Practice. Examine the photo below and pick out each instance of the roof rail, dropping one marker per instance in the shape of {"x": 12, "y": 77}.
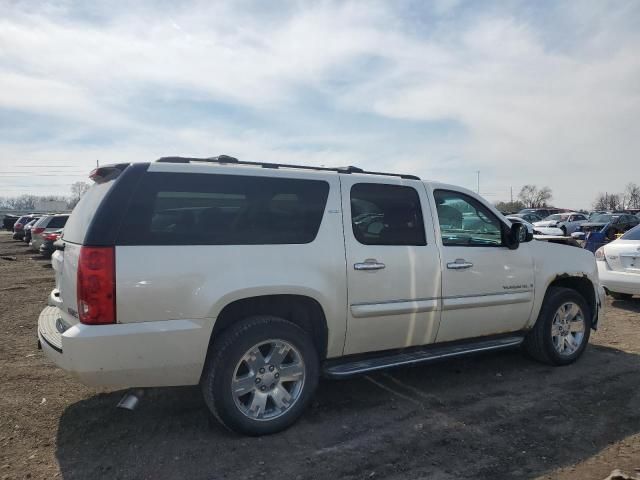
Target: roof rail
{"x": 226, "y": 159}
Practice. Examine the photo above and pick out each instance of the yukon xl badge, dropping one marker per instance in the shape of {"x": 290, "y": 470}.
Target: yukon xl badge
{"x": 513, "y": 287}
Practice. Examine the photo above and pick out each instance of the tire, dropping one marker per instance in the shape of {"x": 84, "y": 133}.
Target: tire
{"x": 564, "y": 231}
{"x": 621, "y": 296}
{"x": 228, "y": 359}
{"x": 539, "y": 342}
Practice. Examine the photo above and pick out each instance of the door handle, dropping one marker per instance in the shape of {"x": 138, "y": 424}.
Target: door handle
{"x": 369, "y": 265}
{"x": 459, "y": 264}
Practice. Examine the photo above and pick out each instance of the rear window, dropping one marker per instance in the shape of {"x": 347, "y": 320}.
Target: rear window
{"x": 190, "y": 209}
{"x": 633, "y": 234}
{"x": 42, "y": 222}
{"x": 78, "y": 223}
{"x": 57, "y": 221}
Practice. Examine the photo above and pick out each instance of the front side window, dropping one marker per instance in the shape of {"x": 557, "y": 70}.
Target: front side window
{"x": 190, "y": 209}
{"x": 386, "y": 215}
{"x": 466, "y": 222}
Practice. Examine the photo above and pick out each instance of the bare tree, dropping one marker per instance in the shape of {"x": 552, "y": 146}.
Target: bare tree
{"x": 608, "y": 201}
{"x": 78, "y": 189}
{"x": 514, "y": 206}
{"x": 534, "y": 197}
{"x": 632, "y": 194}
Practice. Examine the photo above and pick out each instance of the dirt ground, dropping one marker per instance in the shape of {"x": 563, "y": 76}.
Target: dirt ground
{"x": 494, "y": 416}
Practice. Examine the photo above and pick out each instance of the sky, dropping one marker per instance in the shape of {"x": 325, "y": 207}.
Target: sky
{"x": 544, "y": 93}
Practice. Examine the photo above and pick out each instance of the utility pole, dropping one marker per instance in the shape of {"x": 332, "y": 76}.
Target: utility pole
{"x": 478, "y": 171}
{"x": 97, "y": 164}
{"x": 511, "y": 194}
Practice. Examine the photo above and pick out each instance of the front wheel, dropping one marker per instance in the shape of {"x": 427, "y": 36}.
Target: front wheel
{"x": 562, "y": 330}
{"x": 260, "y": 375}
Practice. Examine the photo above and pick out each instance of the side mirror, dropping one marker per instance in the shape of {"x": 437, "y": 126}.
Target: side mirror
{"x": 517, "y": 234}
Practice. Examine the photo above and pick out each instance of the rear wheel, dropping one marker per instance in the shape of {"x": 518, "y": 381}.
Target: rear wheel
{"x": 562, "y": 330}
{"x": 621, "y": 296}
{"x": 564, "y": 230}
{"x": 260, "y": 375}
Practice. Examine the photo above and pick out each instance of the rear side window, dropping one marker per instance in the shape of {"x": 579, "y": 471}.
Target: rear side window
{"x": 57, "y": 221}
{"x": 386, "y": 215}
{"x": 191, "y": 209}
{"x": 78, "y": 224}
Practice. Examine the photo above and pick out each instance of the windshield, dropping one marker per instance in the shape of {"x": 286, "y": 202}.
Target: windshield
{"x": 603, "y": 218}
{"x": 633, "y": 234}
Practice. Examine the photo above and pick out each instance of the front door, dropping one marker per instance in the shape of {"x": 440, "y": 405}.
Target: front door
{"x": 393, "y": 264}
{"x": 486, "y": 288}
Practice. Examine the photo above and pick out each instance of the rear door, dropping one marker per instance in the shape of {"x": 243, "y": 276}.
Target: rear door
{"x": 393, "y": 264}
{"x": 486, "y": 288}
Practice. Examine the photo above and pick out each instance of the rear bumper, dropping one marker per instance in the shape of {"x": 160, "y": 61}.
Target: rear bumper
{"x": 147, "y": 354}
{"x": 620, "y": 282}
{"x": 35, "y": 243}
{"x": 47, "y": 249}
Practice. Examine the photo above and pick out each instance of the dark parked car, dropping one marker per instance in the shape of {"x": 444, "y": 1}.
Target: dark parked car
{"x": 27, "y": 229}
{"x": 541, "y": 212}
{"x": 614, "y": 222}
{"x": 9, "y": 221}
{"x": 528, "y": 217}
{"x": 49, "y": 240}
{"x": 18, "y": 227}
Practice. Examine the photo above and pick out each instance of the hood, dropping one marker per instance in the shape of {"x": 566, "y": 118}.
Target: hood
{"x": 546, "y": 223}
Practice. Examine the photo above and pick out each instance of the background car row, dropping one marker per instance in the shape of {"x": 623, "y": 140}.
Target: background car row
{"x": 40, "y": 231}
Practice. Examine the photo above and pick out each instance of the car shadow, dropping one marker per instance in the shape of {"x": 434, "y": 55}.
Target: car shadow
{"x": 496, "y": 415}
{"x": 631, "y": 305}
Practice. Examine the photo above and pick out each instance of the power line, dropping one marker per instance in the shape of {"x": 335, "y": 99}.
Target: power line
{"x": 2, "y": 175}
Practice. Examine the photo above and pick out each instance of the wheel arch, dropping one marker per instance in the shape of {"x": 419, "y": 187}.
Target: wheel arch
{"x": 303, "y": 310}
{"x": 583, "y": 285}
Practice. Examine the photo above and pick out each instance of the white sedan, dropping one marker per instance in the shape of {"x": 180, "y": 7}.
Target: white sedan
{"x": 567, "y": 222}
{"x": 553, "y": 231}
{"x": 619, "y": 265}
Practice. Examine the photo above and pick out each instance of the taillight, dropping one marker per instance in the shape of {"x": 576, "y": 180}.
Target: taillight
{"x": 51, "y": 236}
{"x": 37, "y": 230}
{"x": 17, "y": 226}
{"x": 97, "y": 285}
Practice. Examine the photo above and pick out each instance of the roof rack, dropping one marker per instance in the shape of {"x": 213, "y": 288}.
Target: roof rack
{"x": 226, "y": 159}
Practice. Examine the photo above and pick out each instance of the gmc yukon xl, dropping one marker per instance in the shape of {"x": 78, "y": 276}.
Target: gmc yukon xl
{"x": 253, "y": 279}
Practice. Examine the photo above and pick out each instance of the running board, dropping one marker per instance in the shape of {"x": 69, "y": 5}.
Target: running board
{"x": 352, "y": 366}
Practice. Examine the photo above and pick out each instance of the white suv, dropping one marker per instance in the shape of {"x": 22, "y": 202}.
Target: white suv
{"x": 254, "y": 279}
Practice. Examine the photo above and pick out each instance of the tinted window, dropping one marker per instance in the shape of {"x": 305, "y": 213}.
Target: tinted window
{"x": 58, "y": 221}
{"x": 42, "y": 222}
{"x": 601, "y": 218}
{"x": 466, "y": 222}
{"x": 81, "y": 216}
{"x": 386, "y": 215}
{"x": 633, "y": 234}
{"x": 190, "y": 209}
